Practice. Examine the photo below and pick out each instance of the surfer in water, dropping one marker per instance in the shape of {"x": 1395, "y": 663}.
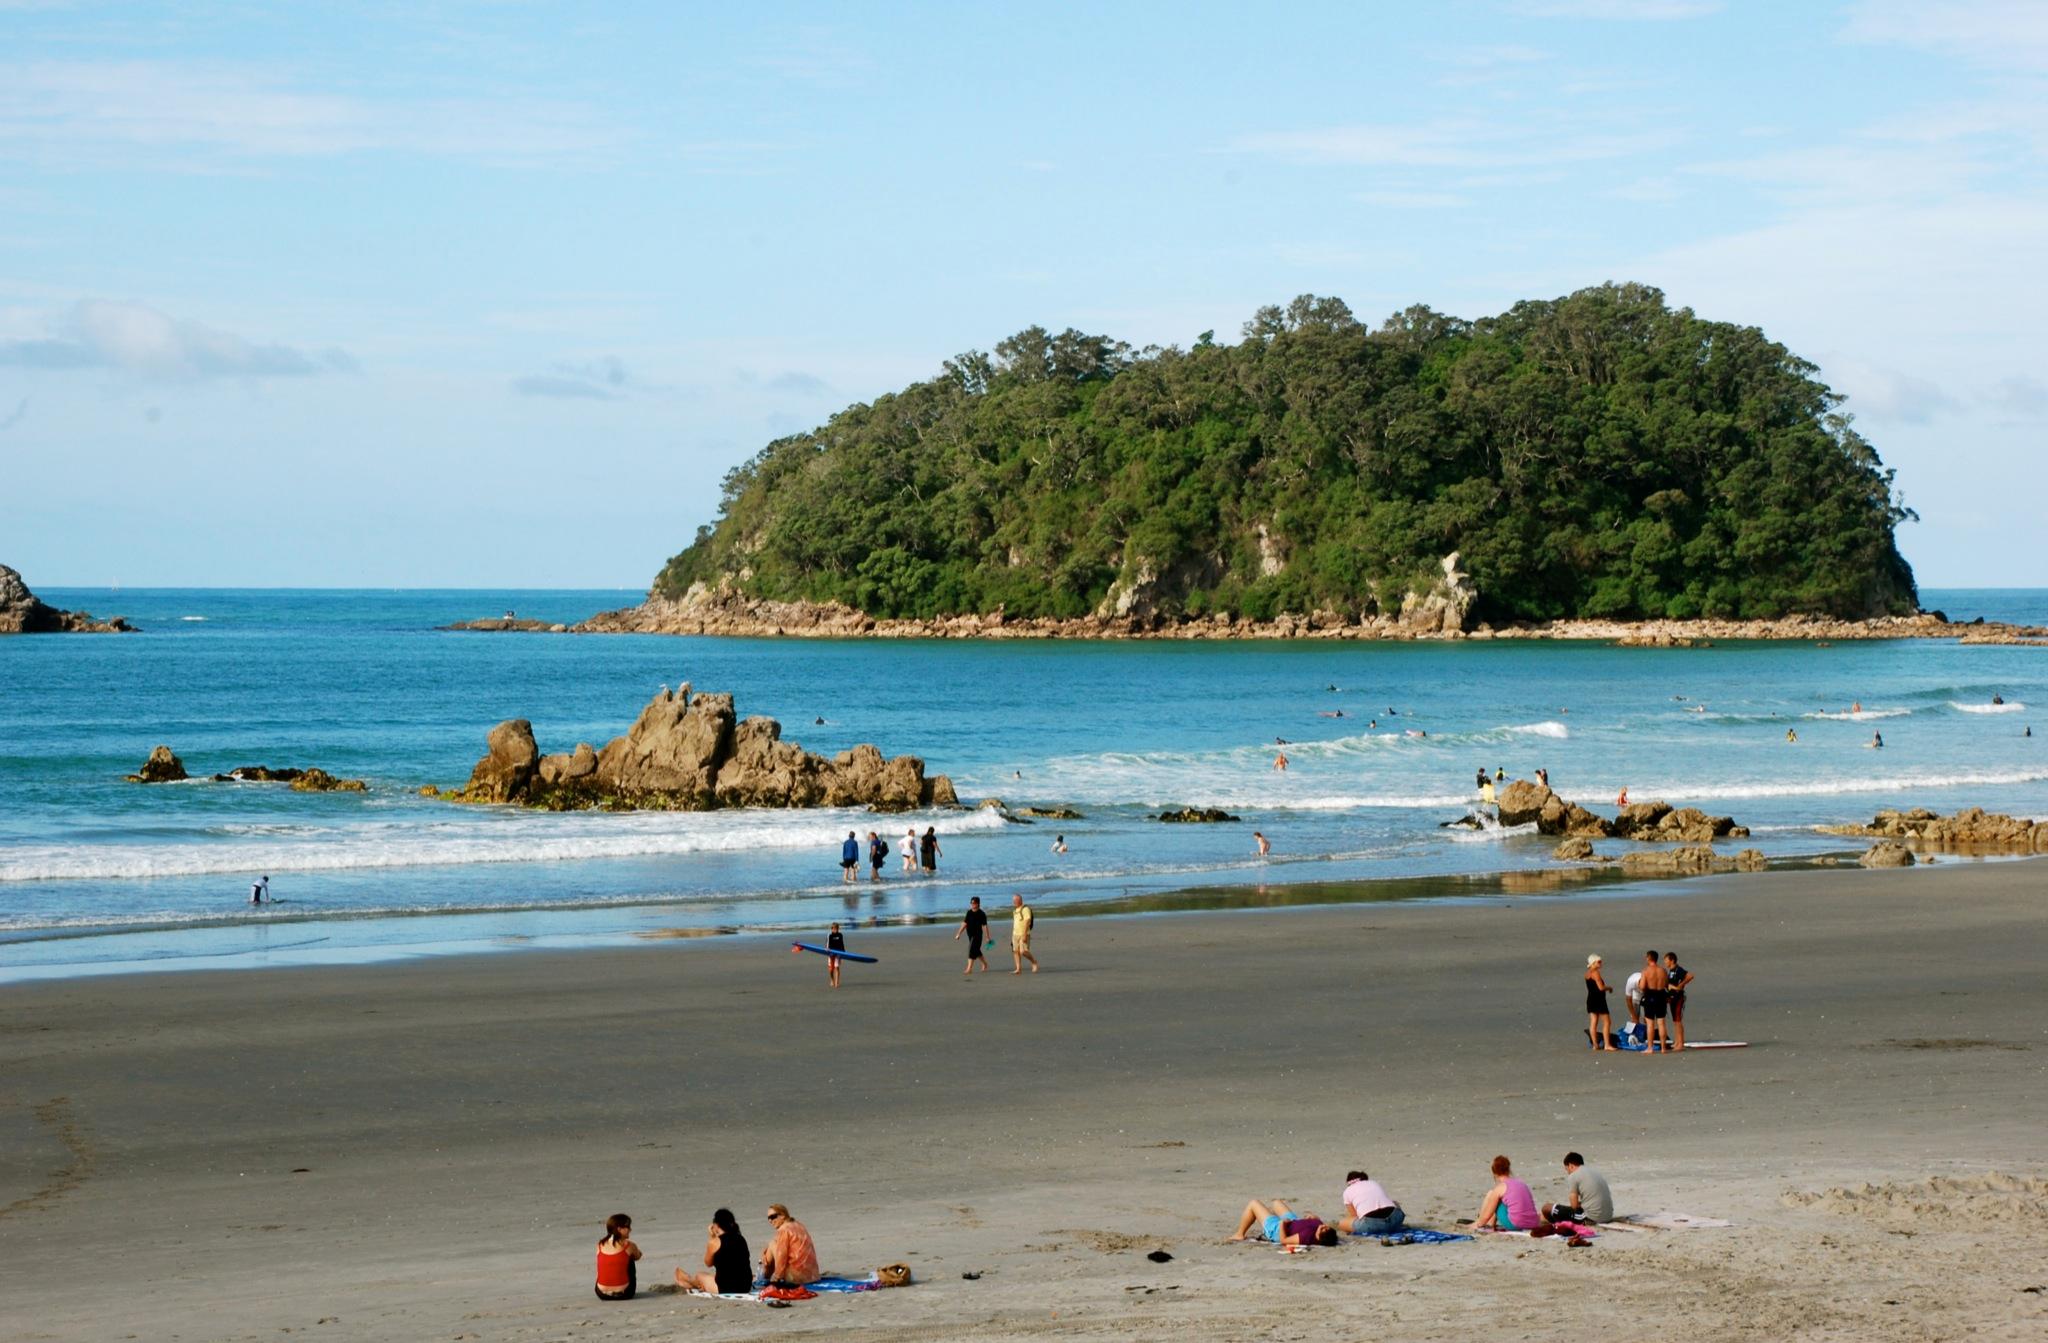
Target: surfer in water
{"x": 1877, "y": 741}
{"x": 1998, "y": 699}
{"x": 1792, "y": 734}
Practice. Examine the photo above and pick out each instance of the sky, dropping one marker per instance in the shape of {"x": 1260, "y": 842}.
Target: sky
{"x": 493, "y": 294}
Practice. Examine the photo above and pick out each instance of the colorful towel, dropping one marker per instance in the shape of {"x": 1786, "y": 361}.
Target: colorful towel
{"x": 1419, "y": 1236}
{"x": 871, "y": 1283}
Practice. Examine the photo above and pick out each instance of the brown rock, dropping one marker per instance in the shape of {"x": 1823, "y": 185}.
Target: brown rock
{"x": 1688, "y": 858}
{"x": 1887, "y": 853}
{"x": 161, "y": 767}
{"x": 1573, "y": 850}
{"x": 22, "y": 612}
{"x": 320, "y": 781}
{"x": 508, "y": 766}
{"x": 1522, "y": 802}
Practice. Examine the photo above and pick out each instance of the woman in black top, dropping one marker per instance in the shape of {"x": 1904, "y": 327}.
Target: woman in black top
{"x": 1598, "y": 1022}
{"x": 930, "y": 846}
{"x": 731, "y": 1267}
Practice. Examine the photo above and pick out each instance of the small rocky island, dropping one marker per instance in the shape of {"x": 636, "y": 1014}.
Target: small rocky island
{"x": 22, "y": 612}
{"x": 163, "y": 766}
{"x": 687, "y": 753}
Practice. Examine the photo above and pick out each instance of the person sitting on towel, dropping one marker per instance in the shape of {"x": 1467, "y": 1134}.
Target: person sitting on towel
{"x": 1509, "y": 1206}
{"x": 1592, "y": 1201}
{"x": 729, "y": 1268}
{"x": 1369, "y": 1210}
{"x": 790, "y": 1260}
{"x": 1283, "y": 1226}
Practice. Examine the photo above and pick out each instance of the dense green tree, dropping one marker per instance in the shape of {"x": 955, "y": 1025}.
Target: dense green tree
{"x": 1598, "y": 454}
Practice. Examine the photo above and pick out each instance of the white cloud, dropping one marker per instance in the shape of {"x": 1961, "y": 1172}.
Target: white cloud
{"x": 137, "y": 339}
{"x": 1462, "y": 143}
{"x": 2007, "y": 34}
{"x": 602, "y": 379}
{"x": 143, "y": 111}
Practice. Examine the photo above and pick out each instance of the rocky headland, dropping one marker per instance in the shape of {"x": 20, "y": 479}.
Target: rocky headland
{"x": 22, "y": 612}
{"x": 687, "y": 752}
{"x": 1524, "y": 803}
{"x": 508, "y": 623}
{"x": 163, "y": 766}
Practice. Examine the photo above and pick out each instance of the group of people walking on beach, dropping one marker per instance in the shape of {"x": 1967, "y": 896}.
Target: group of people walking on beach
{"x": 1369, "y": 1210}
{"x": 921, "y": 853}
{"x": 1655, "y": 997}
{"x": 789, "y": 1262}
{"x": 974, "y": 927}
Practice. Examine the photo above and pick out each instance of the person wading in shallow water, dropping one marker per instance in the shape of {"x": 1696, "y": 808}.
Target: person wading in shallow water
{"x": 929, "y": 851}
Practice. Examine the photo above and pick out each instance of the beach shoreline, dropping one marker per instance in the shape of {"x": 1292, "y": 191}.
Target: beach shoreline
{"x": 428, "y": 1147}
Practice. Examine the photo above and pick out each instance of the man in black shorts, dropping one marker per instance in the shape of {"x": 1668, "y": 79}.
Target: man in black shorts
{"x": 1656, "y": 993}
{"x": 975, "y": 926}
{"x": 1676, "y": 978}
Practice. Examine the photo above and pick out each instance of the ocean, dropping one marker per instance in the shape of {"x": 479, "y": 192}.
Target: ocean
{"x": 98, "y": 875}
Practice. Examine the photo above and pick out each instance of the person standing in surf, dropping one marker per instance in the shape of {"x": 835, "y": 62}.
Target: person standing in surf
{"x": 907, "y": 846}
{"x": 975, "y": 928}
{"x": 259, "y": 890}
{"x": 849, "y": 859}
{"x": 929, "y": 853}
{"x": 878, "y": 854}
{"x": 1265, "y": 845}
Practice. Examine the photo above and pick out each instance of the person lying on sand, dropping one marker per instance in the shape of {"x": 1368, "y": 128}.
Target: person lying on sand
{"x": 1508, "y": 1206}
{"x": 1282, "y": 1226}
{"x": 729, "y": 1268}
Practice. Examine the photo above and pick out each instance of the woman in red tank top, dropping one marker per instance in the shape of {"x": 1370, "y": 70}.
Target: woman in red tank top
{"x": 617, "y": 1279}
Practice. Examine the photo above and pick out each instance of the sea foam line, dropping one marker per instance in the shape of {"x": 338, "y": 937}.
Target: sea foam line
{"x": 506, "y": 841}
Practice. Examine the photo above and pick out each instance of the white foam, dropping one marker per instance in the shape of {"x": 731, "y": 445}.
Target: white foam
{"x": 191, "y": 617}
{"x": 498, "y": 837}
{"x": 1859, "y": 715}
{"x": 2010, "y": 706}
{"x": 1680, "y": 794}
{"x": 1551, "y": 728}
{"x": 1489, "y": 831}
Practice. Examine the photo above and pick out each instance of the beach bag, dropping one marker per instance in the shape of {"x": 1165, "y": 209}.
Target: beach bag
{"x": 893, "y": 1275}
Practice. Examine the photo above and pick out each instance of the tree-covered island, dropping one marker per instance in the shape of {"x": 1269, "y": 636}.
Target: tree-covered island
{"x": 1598, "y": 455}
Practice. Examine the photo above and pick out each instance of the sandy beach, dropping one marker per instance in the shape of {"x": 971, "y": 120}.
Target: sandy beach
{"x": 428, "y": 1149}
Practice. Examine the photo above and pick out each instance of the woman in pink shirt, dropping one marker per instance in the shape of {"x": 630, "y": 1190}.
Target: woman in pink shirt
{"x": 1509, "y": 1205}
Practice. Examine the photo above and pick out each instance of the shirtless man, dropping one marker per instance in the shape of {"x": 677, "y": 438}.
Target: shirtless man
{"x": 1656, "y": 989}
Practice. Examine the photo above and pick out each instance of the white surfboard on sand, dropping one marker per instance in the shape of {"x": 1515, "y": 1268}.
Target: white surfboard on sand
{"x": 1717, "y": 1044}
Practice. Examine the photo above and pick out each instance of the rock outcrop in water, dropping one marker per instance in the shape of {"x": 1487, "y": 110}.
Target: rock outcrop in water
{"x": 164, "y": 767}
{"x": 1524, "y": 803}
{"x": 1195, "y": 816}
{"x": 161, "y": 767}
{"x": 687, "y": 753}
{"x": 22, "y": 612}
{"x": 1973, "y": 829}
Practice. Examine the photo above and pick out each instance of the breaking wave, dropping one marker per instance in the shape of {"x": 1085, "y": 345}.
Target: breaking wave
{"x": 2010, "y": 706}
{"x": 496, "y": 839}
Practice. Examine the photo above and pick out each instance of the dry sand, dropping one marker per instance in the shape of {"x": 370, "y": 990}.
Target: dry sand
{"x": 427, "y": 1150}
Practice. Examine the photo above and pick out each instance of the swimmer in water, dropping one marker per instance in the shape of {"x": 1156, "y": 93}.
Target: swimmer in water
{"x": 1330, "y": 713}
{"x": 1856, "y": 707}
{"x": 1791, "y": 734}
{"x": 1280, "y": 762}
{"x": 1998, "y": 699}
{"x": 1374, "y": 723}
{"x": 1877, "y": 741}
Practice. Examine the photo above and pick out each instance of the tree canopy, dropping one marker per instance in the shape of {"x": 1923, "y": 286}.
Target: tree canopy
{"x": 1600, "y": 454}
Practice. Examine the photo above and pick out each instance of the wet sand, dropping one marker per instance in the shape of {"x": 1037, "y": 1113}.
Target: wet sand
{"x": 427, "y": 1150}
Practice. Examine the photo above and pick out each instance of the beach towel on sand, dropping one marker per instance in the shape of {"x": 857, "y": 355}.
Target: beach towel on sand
{"x": 1418, "y": 1236}
{"x": 871, "y": 1283}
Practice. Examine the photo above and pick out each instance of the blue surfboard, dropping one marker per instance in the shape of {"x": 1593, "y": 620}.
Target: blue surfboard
{"x": 827, "y": 951}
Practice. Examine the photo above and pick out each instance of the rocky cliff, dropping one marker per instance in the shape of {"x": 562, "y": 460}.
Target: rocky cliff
{"x": 687, "y": 752}
{"x": 22, "y": 612}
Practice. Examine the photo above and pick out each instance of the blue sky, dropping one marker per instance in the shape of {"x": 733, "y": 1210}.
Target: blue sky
{"x": 493, "y": 294}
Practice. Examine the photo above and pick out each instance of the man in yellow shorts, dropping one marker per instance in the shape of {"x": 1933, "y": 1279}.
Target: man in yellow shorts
{"x": 1021, "y": 919}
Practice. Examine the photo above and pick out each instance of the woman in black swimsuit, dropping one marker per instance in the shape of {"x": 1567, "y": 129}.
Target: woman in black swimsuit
{"x": 1598, "y": 1023}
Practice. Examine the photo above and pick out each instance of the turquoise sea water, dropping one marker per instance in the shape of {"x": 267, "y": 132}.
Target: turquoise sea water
{"x": 97, "y": 874}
